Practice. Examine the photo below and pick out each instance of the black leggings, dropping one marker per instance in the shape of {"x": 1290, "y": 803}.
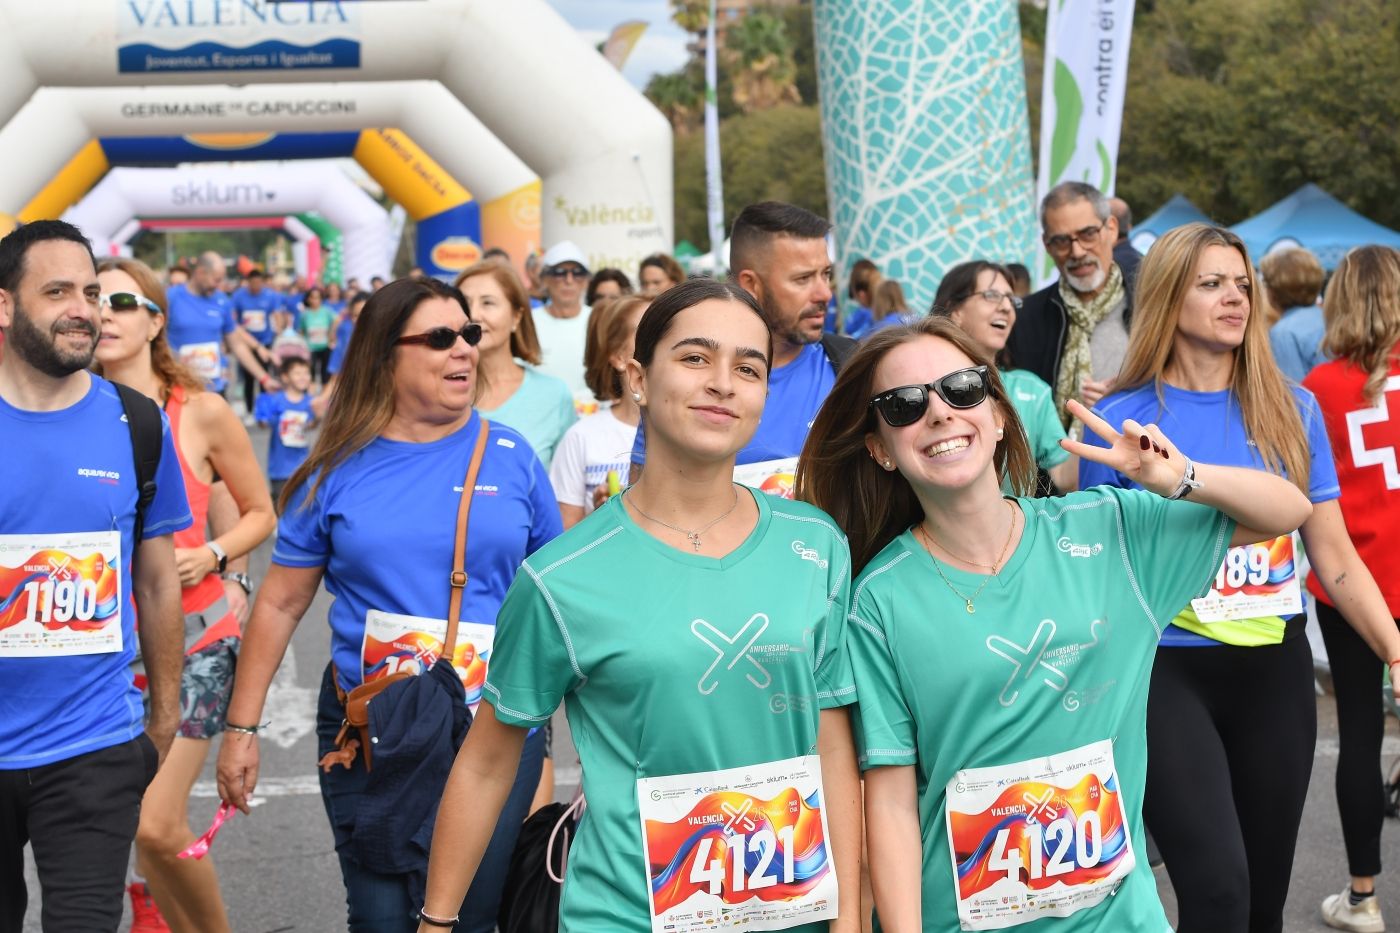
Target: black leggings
{"x": 1356, "y": 681}
{"x": 321, "y": 365}
{"x": 1230, "y": 735}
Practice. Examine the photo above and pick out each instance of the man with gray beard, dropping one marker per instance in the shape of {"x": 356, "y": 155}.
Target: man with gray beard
{"x": 1074, "y": 332}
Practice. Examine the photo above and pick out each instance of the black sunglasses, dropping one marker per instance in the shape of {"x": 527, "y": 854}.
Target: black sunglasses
{"x": 126, "y": 301}
{"x": 962, "y": 388}
{"x": 442, "y": 338}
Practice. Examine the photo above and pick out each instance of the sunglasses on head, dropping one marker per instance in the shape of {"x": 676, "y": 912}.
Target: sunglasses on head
{"x": 442, "y": 338}
{"x": 962, "y": 388}
{"x": 126, "y": 301}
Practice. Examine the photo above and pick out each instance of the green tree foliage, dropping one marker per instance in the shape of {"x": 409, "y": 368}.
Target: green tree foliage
{"x": 760, "y": 53}
{"x": 1237, "y": 103}
{"x": 772, "y": 154}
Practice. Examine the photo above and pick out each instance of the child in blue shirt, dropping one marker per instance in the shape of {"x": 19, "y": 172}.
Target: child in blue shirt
{"x": 291, "y": 417}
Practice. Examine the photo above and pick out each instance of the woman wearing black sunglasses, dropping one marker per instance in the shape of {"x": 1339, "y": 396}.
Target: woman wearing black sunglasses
{"x": 210, "y": 442}
{"x": 372, "y": 513}
{"x": 1002, "y": 645}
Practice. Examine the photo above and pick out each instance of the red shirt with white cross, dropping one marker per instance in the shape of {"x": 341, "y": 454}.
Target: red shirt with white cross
{"x": 1365, "y": 437}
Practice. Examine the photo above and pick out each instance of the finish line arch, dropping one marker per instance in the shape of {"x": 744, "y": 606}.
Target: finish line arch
{"x": 240, "y": 190}
{"x": 602, "y": 152}
{"x": 131, "y": 128}
{"x": 308, "y": 247}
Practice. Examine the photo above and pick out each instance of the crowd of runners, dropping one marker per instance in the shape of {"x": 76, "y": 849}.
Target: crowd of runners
{"x": 943, "y": 619}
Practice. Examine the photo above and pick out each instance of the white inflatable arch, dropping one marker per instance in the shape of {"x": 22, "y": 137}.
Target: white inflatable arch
{"x": 601, "y": 151}
{"x": 244, "y": 189}
{"x": 306, "y": 246}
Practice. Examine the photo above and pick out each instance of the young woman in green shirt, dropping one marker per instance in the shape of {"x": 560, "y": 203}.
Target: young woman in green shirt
{"x": 1002, "y": 645}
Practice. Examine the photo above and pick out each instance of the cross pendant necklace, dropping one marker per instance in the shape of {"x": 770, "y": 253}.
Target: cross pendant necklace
{"x": 692, "y": 536}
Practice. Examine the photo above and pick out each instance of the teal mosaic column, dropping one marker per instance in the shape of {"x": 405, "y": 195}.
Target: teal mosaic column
{"x": 926, "y": 134}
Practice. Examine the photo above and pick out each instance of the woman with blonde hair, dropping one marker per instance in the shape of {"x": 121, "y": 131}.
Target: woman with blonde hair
{"x": 210, "y": 442}
{"x": 1358, "y": 391}
{"x": 890, "y": 306}
{"x": 510, "y": 389}
{"x": 1232, "y": 718}
{"x": 1001, "y": 644}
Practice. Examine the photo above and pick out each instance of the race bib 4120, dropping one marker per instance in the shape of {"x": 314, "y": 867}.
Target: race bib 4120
{"x": 745, "y": 848}
{"x": 1041, "y": 838}
{"x": 396, "y": 643}
{"x": 60, "y": 594}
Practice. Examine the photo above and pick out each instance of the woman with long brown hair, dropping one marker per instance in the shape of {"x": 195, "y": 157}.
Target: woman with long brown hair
{"x": 210, "y": 442}
{"x": 371, "y": 513}
{"x": 1001, "y": 644}
{"x": 509, "y": 388}
{"x": 1232, "y": 717}
{"x": 1357, "y": 392}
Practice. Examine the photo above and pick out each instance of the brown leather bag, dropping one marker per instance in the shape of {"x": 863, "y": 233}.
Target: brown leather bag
{"x": 357, "y": 701}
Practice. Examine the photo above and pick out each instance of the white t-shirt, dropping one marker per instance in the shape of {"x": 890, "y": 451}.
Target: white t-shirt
{"x": 593, "y": 447}
{"x": 562, "y": 342}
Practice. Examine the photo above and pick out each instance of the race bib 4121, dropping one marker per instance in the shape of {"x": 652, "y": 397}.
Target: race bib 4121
{"x": 60, "y": 594}
{"x": 745, "y": 848}
{"x": 1041, "y": 838}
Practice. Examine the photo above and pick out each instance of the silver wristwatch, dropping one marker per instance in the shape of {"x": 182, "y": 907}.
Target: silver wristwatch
{"x": 242, "y": 579}
{"x": 1188, "y": 481}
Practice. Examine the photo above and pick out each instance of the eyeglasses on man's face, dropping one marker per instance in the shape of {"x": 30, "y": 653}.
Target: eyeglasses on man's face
{"x": 1060, "y": 243}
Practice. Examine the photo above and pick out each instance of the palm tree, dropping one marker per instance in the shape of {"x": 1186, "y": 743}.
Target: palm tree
{"x": 765, "y": 73}
{"x": 677, "y": 96}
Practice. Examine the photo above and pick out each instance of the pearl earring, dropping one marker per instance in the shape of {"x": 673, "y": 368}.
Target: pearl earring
{"x": 1000, "y": 432}
{"x": 636, "y": 396}
{"x": 887, "y": 464}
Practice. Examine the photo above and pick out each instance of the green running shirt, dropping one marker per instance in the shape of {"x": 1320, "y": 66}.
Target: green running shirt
{"x": 1056, "y": 658}
{"x": 671, "y": 663}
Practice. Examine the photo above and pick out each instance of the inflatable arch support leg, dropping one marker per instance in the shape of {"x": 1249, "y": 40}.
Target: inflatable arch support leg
{"x": 926, "y": 135}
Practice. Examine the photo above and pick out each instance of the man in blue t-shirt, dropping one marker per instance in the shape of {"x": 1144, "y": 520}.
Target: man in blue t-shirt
{"x": 201, "y": 327}
{"x": 253, "y": 305}
{"x": 778, "y": 254}
{"x": 74, "y": 758}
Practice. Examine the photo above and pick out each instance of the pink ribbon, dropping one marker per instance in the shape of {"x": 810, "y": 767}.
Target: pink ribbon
{"x": 200, "y": 847}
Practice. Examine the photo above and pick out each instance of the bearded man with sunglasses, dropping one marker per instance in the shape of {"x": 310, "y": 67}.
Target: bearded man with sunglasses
{"x": 75, "y": 759}
{"x": 1073, "y": 333}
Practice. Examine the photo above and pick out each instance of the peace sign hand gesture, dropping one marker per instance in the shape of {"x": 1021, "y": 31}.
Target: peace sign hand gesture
{"x": 1141, "y": 453}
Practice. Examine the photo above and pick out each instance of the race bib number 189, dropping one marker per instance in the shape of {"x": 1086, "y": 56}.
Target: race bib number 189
{"x": 60, "y": 594}
{"x": 1040, "y": 838}
{"x": 1256, "y": 580}
{"x": 745, "y": 847}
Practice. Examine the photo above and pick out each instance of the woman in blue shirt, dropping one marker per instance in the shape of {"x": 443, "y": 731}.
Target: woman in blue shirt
{"x": 1232, "y": 717}
{"x": 371, "y": 513}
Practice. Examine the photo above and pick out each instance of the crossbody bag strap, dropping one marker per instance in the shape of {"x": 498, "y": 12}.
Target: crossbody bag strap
{"x": 459, "y": 545}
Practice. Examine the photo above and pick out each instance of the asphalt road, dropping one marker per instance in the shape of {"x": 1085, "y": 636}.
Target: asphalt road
{"x": 279, "y": 873}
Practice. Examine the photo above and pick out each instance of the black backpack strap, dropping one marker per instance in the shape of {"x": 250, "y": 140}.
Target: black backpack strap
{"x": 838, "y": 349}
{"x": 147, "y": 434}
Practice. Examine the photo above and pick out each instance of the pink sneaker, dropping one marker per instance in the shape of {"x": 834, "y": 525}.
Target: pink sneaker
{"x": 145, "y": 915}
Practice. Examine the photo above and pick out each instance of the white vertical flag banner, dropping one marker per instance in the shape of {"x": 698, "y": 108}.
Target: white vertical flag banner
{"x": 714, "y": 183}
{"x": 1086, "y": 77}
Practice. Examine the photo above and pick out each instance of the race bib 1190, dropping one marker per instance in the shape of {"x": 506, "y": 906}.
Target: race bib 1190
{"x": 1040, "y": 838}
{"x": 395, "y": 643}
{"x": 60, "y": 594}
{"x": 1256, "y": 580}
{"x": 775, "y": 477}
{"x": 745, "y": 847}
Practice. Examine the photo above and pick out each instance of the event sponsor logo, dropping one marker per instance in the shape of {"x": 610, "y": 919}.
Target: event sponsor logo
{"x": 1040, "y": 658}
{"x": 164, "y": 110}
{"x": 456, "y": 253}
{"x": 233, "y": 35}
{"x": 807, "y": 553}
{"x": 193, "y": 192}
{"x": 1079, "y": 550}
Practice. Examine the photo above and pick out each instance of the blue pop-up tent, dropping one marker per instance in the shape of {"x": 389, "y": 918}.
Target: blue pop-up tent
{"x": 1179, "y": 210}
{"x": 1313, "y": 219}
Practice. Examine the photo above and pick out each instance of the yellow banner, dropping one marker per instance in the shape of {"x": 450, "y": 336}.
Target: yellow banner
{"x": 407, "y": 174}
{"x": 512, "y": 223}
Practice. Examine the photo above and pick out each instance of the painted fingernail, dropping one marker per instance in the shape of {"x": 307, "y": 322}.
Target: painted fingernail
{"x": 1145, "y": 442}
{"x": 1155, "y": 447}
{"x": 1166, "y": 454}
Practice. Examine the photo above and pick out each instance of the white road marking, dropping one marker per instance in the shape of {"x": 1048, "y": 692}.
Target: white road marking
{"x": 290, "y": 709}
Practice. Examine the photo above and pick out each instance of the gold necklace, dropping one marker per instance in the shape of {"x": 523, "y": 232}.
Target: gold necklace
{"x": 996, "y": 567}
{"x": 692, "y": 536}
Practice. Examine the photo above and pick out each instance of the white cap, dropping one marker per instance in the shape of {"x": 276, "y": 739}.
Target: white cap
{"x": 562, "y": 252}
